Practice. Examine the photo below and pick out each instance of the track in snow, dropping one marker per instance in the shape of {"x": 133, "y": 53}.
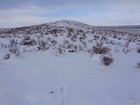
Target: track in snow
{"x": 60, "y": 80}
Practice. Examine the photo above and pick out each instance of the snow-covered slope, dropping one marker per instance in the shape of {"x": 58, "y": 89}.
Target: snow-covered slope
{"x": 70, "y": 24}
{"x": 60, "y": 63}
{"x": 65, "y": 36}
{"x": 74, "y": 79}
{"x": 63, "y": 24}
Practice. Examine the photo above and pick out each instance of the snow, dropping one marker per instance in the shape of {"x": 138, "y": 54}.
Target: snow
{"x": 55, "y": 76}
{"x": 70, "y": 24}
{"x": 73, "y": 79}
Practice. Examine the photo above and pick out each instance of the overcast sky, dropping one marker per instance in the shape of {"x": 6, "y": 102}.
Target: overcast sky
{"x": 15, "y": 13}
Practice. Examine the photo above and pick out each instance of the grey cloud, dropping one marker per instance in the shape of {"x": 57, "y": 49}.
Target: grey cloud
{"x": 96, "y": 12}
{"x": 118, "y": 5}
{"x": 7, "y": 4}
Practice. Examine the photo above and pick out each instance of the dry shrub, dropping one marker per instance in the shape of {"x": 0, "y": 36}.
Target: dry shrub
{"x": 60, "y": 50}
{"x": 13, "y": 50}
{"x": 7, "y": 56}
{"x": 126, "y": 48}
{"x": 138, "y": 65}
{"x": 106, "y": 60}
{"x": 12, "y": 43}
{"x": 138, "y": 50}
{"x": 100, "y": 49}
{"x": 72, "y": 48}
{"x": 13, "y": 47}
{"x": 28, "y": 41}
{"x": 43, "y": 45}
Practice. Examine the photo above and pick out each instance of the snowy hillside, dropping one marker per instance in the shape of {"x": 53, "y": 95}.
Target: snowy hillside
{"x": 69, "y": 63}
{"x": 65, "y": 36}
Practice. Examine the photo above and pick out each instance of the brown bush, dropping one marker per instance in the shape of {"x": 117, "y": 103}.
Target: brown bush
{"x": 138, "y": 50}
{"x": 12, "y": 43}
{"x": 106, "y": 60}
{"x": 42, "y": 45}
{"x": 13, "y": 48}
{"x": 138, "y": 65}
{"x": 60, "y": 50}
{"x": 28, "y": 41}
{"x": 100, "y": 49}
{"x": 7, "y": 56}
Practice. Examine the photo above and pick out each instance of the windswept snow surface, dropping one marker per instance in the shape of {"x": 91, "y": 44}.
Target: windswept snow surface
{"x": 42, "y": 78}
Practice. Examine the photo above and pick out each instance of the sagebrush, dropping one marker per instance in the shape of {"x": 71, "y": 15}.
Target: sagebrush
{"x": 106, "y": 60}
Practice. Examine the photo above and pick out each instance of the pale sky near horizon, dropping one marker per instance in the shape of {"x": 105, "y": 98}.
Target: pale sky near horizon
{"x": 14, "y": 13}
